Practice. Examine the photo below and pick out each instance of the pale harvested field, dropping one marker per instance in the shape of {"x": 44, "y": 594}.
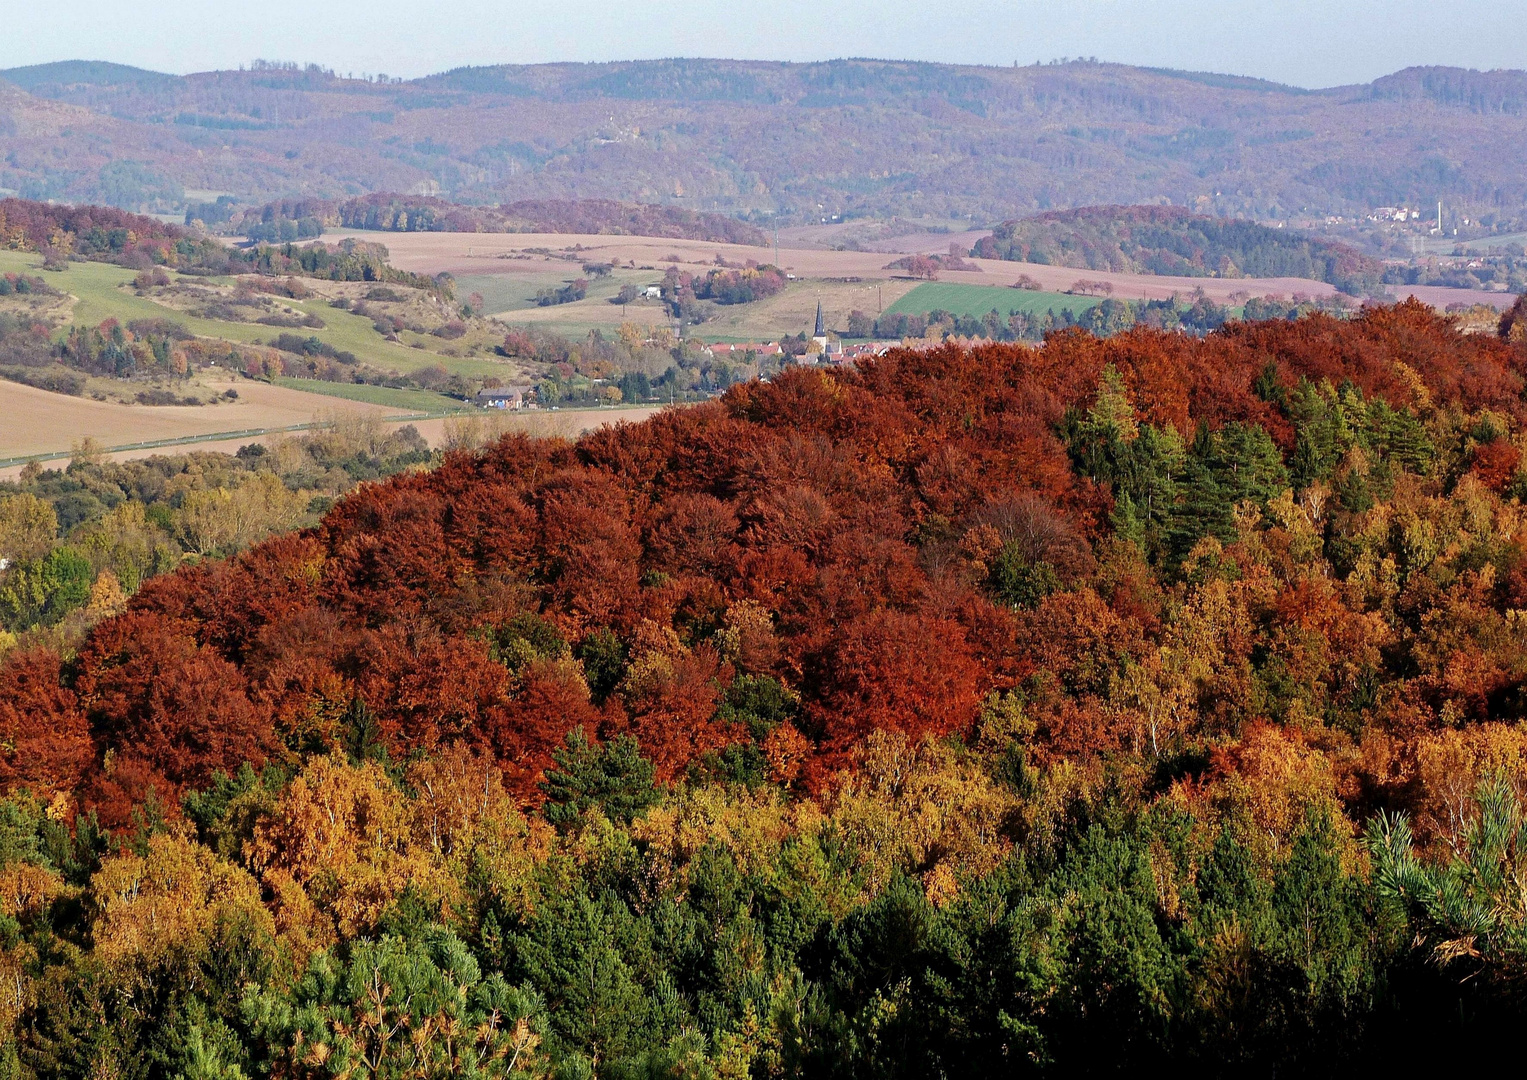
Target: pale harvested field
{"x": 879, "y": 237}
{"x": 39, "y": 422}
{"x": 1437, "y": 296}
{"x": 788, "y": 312}
{"x": 470, "y": 429}
{"x": 476, "y": 428}
{"x": 506, "y": 253}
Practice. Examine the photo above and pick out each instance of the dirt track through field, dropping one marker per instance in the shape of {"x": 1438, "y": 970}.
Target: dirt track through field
{"x": 508, "y": 253}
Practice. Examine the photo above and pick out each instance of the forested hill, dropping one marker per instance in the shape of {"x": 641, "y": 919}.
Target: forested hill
{"x": 1173, "y": 240}
{"x": 1140, "y": 704}
{"x": 805, "y": 140}
{"x": 889, "y": 545}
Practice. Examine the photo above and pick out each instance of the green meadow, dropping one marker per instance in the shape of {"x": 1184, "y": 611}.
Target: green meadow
{"x": 977, "y": 300}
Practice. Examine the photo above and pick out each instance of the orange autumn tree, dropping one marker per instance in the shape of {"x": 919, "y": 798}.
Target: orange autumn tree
{"x": 908, "y": 535}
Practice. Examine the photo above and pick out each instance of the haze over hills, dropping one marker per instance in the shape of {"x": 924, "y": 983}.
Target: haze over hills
{"x": 778, "y": 141}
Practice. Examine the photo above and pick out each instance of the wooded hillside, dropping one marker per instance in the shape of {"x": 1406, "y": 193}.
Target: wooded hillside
{"x": 794, "y": 143}
{"x": 938, "y": 716}
{"x": 843, "y": 520}
{"x": 1173, "y": 240}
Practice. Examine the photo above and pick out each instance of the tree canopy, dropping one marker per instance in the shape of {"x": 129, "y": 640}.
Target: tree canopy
{"x": 1150, "y": 700}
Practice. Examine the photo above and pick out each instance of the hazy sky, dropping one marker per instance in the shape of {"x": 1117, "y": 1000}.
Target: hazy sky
{"x": 1304, "y": 42}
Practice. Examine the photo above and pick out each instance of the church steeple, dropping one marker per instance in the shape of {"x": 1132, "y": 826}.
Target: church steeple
{"x": 821, "y": 331}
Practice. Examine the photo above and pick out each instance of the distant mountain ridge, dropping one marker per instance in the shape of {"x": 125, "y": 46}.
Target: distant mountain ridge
{"x": 1490, "y": 92}
{"x": 776, "y": 141}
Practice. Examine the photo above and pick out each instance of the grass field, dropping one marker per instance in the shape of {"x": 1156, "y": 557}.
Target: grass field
{"x": 391, "y": 397}
{"x": 516, "y": 292}
{"x": 97, "y": 287}
{"x": 505, "y": 292}
{"x": 977, "y": 300}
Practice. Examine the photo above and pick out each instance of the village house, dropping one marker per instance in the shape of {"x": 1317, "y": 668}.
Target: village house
{"x": 521, "y": 396}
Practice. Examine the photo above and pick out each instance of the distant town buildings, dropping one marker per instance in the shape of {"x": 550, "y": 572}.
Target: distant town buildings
{"x": 1394, "y": 213}
{"x": 833, "y": 351}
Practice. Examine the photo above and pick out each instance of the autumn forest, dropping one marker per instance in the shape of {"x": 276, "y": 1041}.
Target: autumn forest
{"x": 1155, "y": 700}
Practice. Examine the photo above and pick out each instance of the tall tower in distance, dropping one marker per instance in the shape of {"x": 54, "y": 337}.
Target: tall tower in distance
{"x": 820, "y": 346}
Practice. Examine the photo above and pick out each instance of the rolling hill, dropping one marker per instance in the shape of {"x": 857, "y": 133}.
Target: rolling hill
{"x": 1173, "y": 240}
{"x": 783, "y": 142}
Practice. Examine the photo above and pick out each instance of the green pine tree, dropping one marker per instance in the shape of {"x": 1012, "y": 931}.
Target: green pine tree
{"x": 614, "y": 777}
{"x": 571, "y": 955}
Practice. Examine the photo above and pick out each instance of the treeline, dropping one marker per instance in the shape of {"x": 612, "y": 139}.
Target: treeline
{"x": 1174, "y": 241}
{"x": 25, "y": 285}
{"x": 1195, "y": 315}
{"x": 156, "y": 350}
{"x": 928, "y": 266}
{"x": 391, "y": 212}
{"x": 1155, "y": 700}
{"x": 124, "y": 351}
{"x": 1507, "y": 271}
{"x": 682, "y": 292}
{"x": 607, "y": 216}
{"x": 739, "y": 285}
{"x": 92, "y": 232}
{"x": 28, "y": 355}
{"x": 567, "y": 293}
{"x": 284, "y": 230}
{"x": 348, "y": 260}
{"x": 106, "y": 235}
{"x": 297, "y": 357}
